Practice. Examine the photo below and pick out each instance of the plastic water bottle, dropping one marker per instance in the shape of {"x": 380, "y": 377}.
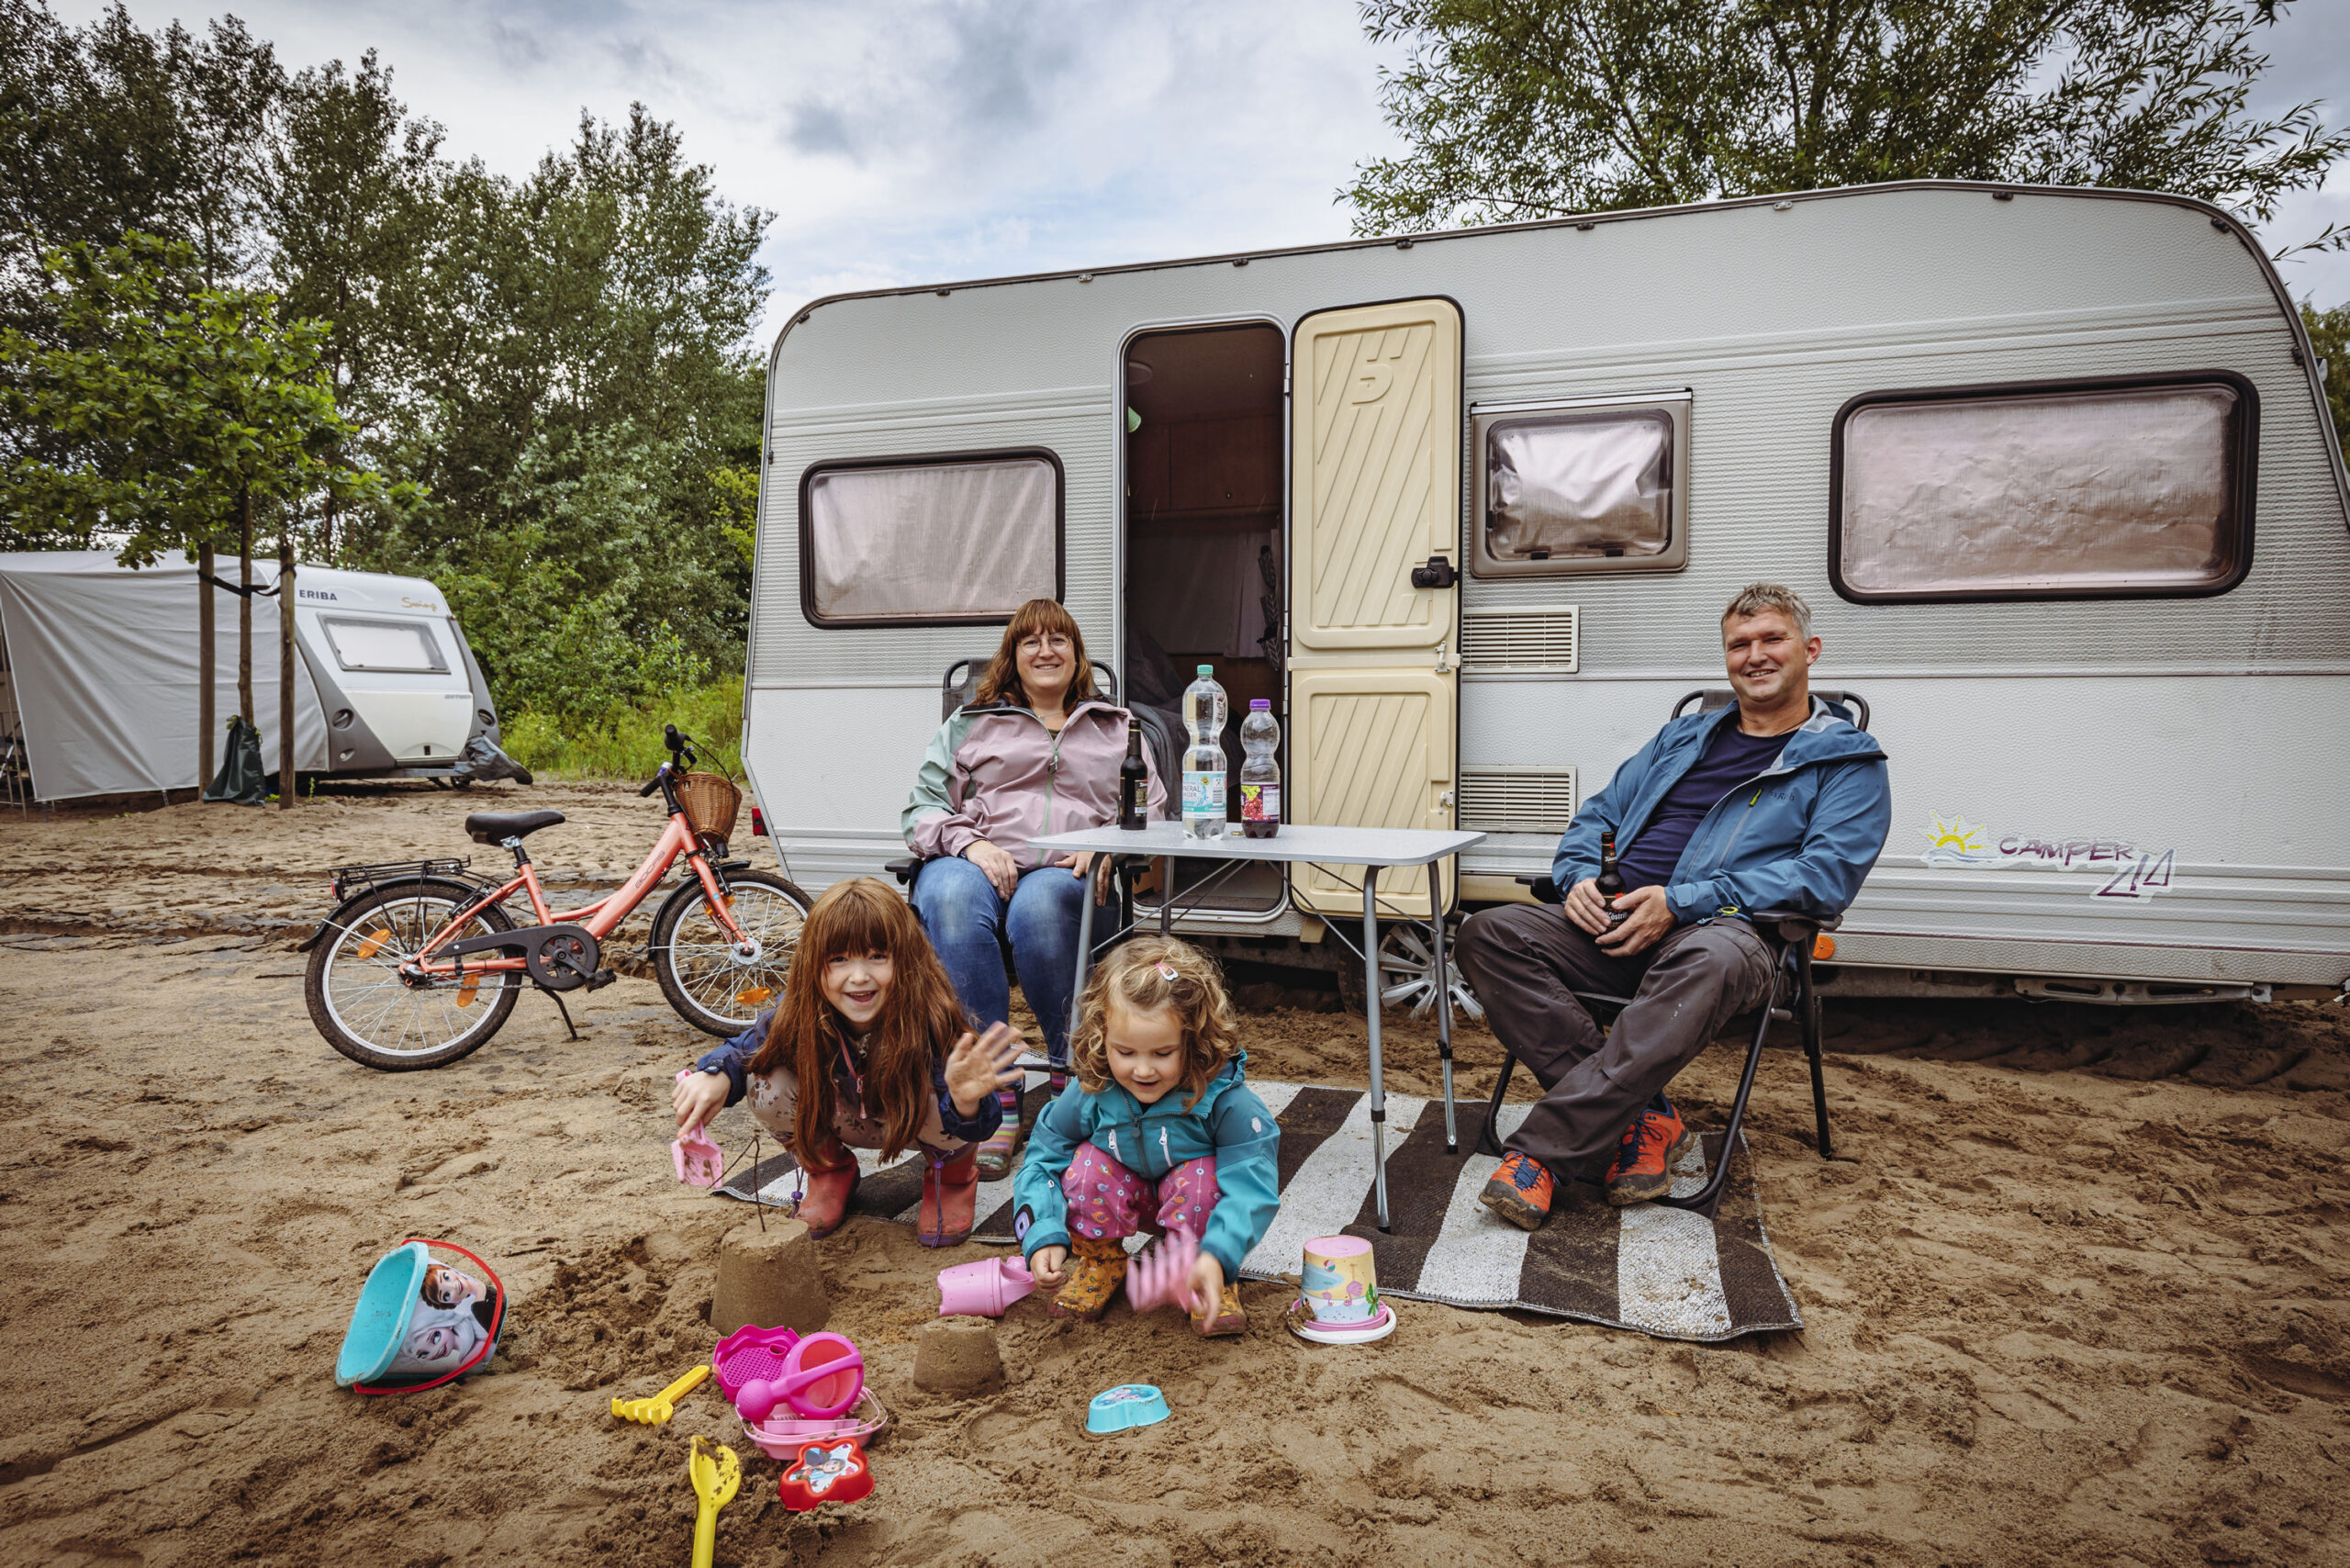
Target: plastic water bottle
{"x": 1203, "y": 714}
{"x": 1261, "y": 774}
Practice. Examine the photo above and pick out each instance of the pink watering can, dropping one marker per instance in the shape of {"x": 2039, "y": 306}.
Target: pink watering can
{"x": 984, "y": 1289}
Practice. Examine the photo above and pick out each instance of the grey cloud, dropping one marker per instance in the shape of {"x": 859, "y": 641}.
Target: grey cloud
{"x": 819, "y": 129}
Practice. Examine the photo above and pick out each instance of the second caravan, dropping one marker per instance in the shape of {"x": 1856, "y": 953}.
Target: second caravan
{"x": 2052, "y": 467}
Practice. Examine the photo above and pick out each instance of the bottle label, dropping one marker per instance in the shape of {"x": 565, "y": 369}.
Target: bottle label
{"x": 1202, "y": 794}
{"x": 1138, "y": 798}
{"x": 1260, "y": 802}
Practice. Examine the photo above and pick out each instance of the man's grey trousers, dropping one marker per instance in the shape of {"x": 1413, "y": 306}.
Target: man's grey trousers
{"x": 1526, "y": 961}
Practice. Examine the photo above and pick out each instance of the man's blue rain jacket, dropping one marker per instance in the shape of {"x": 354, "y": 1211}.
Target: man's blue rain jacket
{"x": 1229, "y": 1122}
{"x": 1801, "y": 835}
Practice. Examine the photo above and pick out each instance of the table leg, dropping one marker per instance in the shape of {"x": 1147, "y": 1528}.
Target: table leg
{"x": 1378, "y": 1084}
{"x": 1443, "y": 1002}
{"x": 1166, "y": 896}
{"x": 1084, "y": 946}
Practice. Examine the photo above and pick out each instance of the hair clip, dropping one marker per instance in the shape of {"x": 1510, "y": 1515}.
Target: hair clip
{"x": 1166, "y": 971}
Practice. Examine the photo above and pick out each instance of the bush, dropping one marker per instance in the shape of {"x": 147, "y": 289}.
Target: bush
{"x": 625, "y": 741}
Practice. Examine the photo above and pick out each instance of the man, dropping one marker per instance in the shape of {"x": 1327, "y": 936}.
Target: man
{"x": 1777, "y": 802}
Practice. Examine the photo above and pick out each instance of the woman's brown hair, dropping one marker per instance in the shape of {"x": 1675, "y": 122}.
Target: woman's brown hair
{"x": 920, "y": 1019}
{"x": 1146, "y": 975}
{"x": 1001, "y": 683}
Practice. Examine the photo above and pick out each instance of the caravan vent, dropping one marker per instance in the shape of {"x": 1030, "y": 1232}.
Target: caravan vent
{"x": 1521, "y": 639}
{"x": 1516, "y": 799}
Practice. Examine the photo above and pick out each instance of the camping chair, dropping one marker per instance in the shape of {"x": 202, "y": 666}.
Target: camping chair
{"x": 1789, "y": 933}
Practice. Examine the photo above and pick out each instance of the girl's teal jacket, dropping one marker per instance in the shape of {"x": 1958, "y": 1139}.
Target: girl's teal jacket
{"x": 1229, "y": 1122}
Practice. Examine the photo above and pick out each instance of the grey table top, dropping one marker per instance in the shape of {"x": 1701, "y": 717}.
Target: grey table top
{"x": 1330, "y": 845}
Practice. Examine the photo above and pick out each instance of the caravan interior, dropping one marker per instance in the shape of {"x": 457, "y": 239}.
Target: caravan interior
{"x": 1202, "y": 527}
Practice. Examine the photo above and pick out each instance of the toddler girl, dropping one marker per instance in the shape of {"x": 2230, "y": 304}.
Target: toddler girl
{"x": 1159, "y": 1133}
{"x": 870, "y": 1050}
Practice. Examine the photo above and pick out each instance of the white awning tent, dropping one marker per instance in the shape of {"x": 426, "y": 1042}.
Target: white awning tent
{"x": 101, "y": 669}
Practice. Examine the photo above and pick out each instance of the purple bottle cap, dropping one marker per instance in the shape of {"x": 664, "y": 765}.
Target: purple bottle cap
{"x": 1255, "y": 703}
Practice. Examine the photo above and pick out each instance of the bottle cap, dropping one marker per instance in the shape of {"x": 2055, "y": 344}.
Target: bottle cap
{"x": 1260, "y": 704}
{"x": 1207, "y": 670}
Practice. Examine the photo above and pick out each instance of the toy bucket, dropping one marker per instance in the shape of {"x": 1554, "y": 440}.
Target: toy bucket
{"x": 780, "y": 1436}
{"x": 1338, "y": 1301}
{"x": 984, "y": 1289}
{"x": 420, "y": 1322}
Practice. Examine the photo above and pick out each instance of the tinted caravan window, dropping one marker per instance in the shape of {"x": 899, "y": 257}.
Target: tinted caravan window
{"x": 939, "y": 541}
{"x": 1582, "y": 488}
{"x": 399, "y": 647}
{"x": 2066, "y": 492}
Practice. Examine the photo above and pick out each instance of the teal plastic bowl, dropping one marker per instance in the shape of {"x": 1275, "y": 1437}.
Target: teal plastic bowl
{"x": 1129, "y": 1405}
{"x": 381, "y": 1317}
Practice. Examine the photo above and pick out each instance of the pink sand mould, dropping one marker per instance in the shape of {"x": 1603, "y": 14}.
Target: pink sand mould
{"x": 1162, "y": 1275}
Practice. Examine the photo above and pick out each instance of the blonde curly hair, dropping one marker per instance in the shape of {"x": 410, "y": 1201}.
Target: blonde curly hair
{"x": 1148, "y": 975}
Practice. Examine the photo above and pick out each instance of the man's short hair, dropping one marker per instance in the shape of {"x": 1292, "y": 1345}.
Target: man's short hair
{"x": 1756, "y": 598}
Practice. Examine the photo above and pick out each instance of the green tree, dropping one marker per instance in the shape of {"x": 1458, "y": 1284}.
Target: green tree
{"x": 2330, "y": 335}
{"x": 182, "y": 410}
{"x": 1517, "y": 109}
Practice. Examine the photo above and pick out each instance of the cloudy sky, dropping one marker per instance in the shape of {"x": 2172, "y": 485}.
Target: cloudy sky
{"x": 921, "y": 140}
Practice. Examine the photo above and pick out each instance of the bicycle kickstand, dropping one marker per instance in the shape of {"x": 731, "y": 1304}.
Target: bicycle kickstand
{"x": 556, "y": 997}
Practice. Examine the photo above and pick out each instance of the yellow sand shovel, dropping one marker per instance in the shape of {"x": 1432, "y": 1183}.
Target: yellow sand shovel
{"x": 715, "y": 1483}
{"x": 661, "y": 1407}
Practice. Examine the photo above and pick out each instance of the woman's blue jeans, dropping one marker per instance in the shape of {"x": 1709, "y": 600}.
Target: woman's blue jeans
{"x": 968, "y": 921}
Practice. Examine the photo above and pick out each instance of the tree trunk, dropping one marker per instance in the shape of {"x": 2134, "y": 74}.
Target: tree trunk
{"x": 285, "y": 783}
{"x": 204, "y": 666}
{"x": 245, "y": 607}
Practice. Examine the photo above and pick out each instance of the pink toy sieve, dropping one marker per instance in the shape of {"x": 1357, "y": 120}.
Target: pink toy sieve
{"x": 750, "y": 1352}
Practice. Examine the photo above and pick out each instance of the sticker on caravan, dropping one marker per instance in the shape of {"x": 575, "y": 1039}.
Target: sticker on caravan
{"x": 2135, "y": 872}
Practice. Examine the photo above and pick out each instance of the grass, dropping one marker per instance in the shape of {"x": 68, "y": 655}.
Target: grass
{"x": 626, "y": 743}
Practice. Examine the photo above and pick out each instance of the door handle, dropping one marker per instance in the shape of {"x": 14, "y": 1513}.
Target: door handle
{"x": 1437, "y": 574}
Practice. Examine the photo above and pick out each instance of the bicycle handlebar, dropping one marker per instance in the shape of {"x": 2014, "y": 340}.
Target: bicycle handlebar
{"x": 655, "y": 783}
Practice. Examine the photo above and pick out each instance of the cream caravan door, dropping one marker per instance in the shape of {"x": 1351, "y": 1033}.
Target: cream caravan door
{"x": 1375, "y": 494}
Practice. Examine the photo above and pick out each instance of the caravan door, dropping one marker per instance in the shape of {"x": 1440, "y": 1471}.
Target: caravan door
{"x": 1375, "y": 497}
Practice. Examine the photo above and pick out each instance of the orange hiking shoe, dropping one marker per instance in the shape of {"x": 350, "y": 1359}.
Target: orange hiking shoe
{"x": 824, "y": 1199}
{"x": 1520, "y": 1191}
{"x": 1226, "y": 1316}
{"x": 1097, "y": 1266}
{"x": 1652, "y": 1146}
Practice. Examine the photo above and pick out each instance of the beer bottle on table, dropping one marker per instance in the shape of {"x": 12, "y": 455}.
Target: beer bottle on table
{"x": 1611, "y": 879}
{"x": 1134, "y": 783}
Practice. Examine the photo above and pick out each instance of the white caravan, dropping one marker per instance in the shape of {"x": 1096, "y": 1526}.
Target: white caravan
{"x": 100, "y": 693}
{"x": 2053, "y": 467}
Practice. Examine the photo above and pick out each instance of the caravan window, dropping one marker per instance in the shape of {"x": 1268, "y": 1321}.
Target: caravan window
{"x": 2072, "y": 490}
{"x": 932, "y": 541}
{"x": 398, "y": 647}
{"x": 1585, "y": 487}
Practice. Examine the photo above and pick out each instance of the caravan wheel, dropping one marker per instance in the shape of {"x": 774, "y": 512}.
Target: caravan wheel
{"x": 1406, "y": 966}
{"x": 716, "y": 987}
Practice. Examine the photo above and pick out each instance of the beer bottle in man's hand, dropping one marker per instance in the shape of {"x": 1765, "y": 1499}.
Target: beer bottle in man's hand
{"x": 1134, "y": 783}
{"x": 1611, "y": 879}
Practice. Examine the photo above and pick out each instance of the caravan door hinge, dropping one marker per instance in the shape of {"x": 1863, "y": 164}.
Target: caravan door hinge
{"x": 1443, "y": 664}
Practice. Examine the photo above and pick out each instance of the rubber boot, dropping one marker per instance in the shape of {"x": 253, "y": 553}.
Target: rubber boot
{"x": 1097, "y": 1266}
{"x": 950, "y": 1199}
{"x": 824, "y": 1203}
{"x": 1226, "y": 1316}
{"x": 997, "y": 1154}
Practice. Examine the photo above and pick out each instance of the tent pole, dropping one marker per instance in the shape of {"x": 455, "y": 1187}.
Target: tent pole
{"x": 205, "y": 662}
{"x": 285, "y": 788}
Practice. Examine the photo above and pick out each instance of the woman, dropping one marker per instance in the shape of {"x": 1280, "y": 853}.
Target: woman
{"x": 1036, "y": 753}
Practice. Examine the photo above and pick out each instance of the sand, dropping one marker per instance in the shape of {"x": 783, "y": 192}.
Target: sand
{"x": 2074, "y": 1287}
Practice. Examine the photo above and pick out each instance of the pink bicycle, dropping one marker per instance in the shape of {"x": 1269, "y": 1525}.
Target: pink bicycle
{"x": 419, "y": 963}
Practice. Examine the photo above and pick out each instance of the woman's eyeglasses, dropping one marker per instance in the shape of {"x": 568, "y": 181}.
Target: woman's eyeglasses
{"x": 1052, "y": 640}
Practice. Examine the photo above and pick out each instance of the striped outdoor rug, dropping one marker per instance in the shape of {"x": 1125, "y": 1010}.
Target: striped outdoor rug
{"x": 1662, "y": 1271}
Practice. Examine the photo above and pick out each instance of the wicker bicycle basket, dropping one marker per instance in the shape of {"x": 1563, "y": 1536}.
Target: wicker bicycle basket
{"x": 711, "y": 805}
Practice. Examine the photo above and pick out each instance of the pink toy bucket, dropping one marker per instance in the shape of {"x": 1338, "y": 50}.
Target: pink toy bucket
{"x": 984, "y": 1289}
{"x": 779, "y": 1438}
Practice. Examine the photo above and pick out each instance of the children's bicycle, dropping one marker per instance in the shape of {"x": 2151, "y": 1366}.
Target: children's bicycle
{"x": 420, "y": 962}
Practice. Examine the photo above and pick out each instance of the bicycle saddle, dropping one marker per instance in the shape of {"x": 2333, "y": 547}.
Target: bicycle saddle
{"x": 496, "y": 828}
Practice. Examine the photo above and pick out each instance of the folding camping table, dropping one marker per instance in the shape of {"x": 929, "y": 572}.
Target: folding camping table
{"x": 1368, "y": 847}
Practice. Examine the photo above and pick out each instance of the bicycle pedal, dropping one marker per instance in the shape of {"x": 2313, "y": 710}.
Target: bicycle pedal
{"x": 601, "y": 979}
